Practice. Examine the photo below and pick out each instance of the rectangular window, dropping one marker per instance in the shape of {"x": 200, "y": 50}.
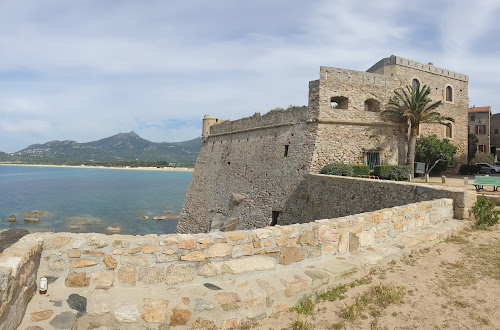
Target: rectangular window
{"x": 286, "y": 150}
{"x": 481, "y": 147}
{"x": 480, "y": 129}
{"x": 372, "y": 159}
{"x": 448, "y": 131}
{"x": 496, "y": 130}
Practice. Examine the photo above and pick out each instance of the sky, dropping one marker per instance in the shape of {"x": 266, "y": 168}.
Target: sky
{"x": 88, "y": 69}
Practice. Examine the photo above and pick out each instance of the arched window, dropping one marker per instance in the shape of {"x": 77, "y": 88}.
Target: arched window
{"x": 372, "y": 105}
{"x": 339, "y": 102}
{"x": 448, "y": 131}
{"x": 449, "y": 94}
{"x": 415, "y": 84}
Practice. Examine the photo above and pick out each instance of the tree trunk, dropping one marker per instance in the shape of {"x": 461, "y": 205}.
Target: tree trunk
{"x": 412, "y": 141}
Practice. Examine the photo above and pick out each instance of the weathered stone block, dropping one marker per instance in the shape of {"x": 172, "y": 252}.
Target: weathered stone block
{"x": 180, "y": 317}
{"x": 179, "y": 274}
{"x": 103, "y": 278}
{"x": 353, "y": 242}
{"x": 156, "y": 310}
{"x": 127, "y": 275}
{"x": 151, "y": 275}
{"x": 135, "y": 261}
{"x": 194, "y": 256}
{"x": 74, "y": 253}
{"x": 289, "y": 255}
{"x": 77, "y": 280}
{"x": 219, "y": 250}
{"x": 228, "y": 300}
{"x": 110, "y": 262}
{"x": 82, "y": 263}
{"x": 148, "y": 249}
{"x": 126, "y": 312}
{"x": 307, "y": 238}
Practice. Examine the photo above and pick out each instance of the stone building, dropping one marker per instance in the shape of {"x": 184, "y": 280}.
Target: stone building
{"x": 480, "y": 124}
{"x": 495, "y": 132}
{"x": 250, "y": 171}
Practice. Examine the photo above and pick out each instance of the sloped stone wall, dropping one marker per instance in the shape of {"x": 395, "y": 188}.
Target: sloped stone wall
{"x": 329, "y": 196}
{"x": 143, "y": 281}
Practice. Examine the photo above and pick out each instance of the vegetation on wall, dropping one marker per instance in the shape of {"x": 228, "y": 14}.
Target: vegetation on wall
{"x": 435, "y": 153}
{"x": 338, "y": 169}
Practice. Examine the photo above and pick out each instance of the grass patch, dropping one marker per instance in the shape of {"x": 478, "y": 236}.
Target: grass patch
{"x": 458, "y": 273}
{"x": 301, "y": 324}
{"x": 488, "y": 258}
{"x": 304, "y": 307}
{"x": 375, "y": 299}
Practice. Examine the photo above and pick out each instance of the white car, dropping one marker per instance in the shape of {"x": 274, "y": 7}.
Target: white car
{"x": 488, "y": 168}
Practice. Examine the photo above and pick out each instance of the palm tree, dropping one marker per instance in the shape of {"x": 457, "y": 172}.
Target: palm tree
{"x": 416, "y": 107}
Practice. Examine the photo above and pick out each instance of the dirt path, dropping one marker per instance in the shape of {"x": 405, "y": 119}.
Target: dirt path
{"x": 454, "y": 285}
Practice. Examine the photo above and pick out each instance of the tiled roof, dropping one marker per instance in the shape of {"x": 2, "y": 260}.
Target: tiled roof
{"x": 480, "y": 109}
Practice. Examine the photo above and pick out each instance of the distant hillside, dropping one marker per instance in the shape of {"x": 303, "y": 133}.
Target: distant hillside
{"x": 120, "y": 147}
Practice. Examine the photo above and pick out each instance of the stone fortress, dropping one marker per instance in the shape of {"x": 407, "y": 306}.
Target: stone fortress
{"x": 252, "y": 172}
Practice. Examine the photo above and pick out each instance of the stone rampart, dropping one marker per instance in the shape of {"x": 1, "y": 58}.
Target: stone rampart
{"x": 177, "y": 280}
{"x": 328, "y": 196}
{"x": 18, "y": 272}
{"x": 271, "y": 119}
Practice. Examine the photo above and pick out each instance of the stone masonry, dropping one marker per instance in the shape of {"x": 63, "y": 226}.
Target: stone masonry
{"x": 250, "y": 170}
{"x": 216, "y": 279}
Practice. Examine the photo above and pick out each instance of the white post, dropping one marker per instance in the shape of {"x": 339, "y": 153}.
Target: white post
{"x": 427, "y": 178}
{"x": 466, "y": 180}
{"x": 409, "y": 177}
{"x": 443, "y": 179}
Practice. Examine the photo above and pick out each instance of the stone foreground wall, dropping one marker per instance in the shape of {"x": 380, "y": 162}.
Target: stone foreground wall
{"x": 328, "y": 196}
{"x": 18, "y": 271}
{"x": 143, "y": 281}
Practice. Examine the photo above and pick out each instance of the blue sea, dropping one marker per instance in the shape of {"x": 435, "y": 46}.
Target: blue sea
{"x": 81, "y": 200}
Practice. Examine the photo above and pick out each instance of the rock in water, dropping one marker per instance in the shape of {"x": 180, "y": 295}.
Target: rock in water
{"x": 160, "y": 217}
{"x": 12, "y": 218}
{"x": 145, "y": 217}
{"x": 32, "y": 219}
{"x": 113, "y": 228}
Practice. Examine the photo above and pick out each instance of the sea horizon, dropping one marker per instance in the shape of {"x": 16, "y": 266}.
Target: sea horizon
{"x": 69, "y": 199}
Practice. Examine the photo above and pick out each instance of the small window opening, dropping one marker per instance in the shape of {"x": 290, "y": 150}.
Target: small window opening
{"x": 275, "y": 216}
{"x": 372, "y": 159}
{"x": 339, "y": 102}
{"x": 372, "y": 105}
{"x": 496, "y": 130}
{"x": 286, "y": 150}
{"x": 228, "y": 163}
{"x": 415, "y": 84}
{"x": 473, "y": 118}
{"x": 449, "y": 94}
{"x": 449, "y": 131}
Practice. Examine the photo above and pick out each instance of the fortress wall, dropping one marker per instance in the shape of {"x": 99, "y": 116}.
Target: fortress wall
{"x": 272, "y": 118}
{"x": 357, "y": 87}
{"x": 328, "y": 196}
{"x": 221, "y": 278}
{"x": 242, "y": 177}
{"x": 342, "y": 142}
{"x": 18, "y": 271}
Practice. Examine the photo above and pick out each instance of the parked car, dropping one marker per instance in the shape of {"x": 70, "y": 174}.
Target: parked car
{"x": 488, "y": 168}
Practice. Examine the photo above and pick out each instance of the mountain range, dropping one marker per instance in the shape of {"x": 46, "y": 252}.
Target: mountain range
{"x": 120, "y": 147}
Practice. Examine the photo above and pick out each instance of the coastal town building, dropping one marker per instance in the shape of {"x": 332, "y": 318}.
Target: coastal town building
{"x": 481, "y": 125}
{"x": 495, "y": 132}
{"x": 253, "y": 172}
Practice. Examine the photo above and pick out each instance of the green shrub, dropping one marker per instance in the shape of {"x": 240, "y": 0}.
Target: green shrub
{"x": 360, "y": 170}
{"x": 466, "y": 169}
{"x": 483, "y": 157}
{"x": 338, "y": 169}
{"x": 485, "y": 213}
{"x": 393, "y": 172}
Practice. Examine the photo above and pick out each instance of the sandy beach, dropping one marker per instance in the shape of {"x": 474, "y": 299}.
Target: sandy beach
{"x": 179, "y": 169}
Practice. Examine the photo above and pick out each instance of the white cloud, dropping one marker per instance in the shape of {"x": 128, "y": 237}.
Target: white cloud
{"x": 90, "y": 69}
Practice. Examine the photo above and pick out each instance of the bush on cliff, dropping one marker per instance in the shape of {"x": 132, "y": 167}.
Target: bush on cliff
{"x": 393, "y": 172}
{"x": 338, "y": 169}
